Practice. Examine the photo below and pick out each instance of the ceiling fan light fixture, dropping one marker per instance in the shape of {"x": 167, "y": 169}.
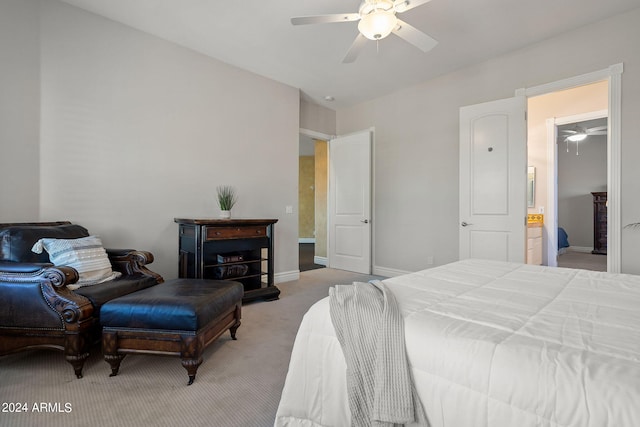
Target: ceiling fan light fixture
{"x": 577, "y": 137}
{"x": 378, "y": 24}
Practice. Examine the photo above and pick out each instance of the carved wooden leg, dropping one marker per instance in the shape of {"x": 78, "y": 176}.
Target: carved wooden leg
{"x": 191, "y": 355}
{"x": 110, "y": 351}
{"x": 76, "y": 351}
{"x": 233, "y": 330}
{"x": 114, "y": 362}
{"x": 77, "y": 362}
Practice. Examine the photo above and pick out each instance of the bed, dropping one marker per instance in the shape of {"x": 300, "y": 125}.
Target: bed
{"x": 491, "y": 344}
{"x": 563, "y": 240}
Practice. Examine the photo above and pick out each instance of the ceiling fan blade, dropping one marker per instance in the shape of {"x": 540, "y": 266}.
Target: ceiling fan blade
{"x": 568, "y": 131}
{"x": 597, "y": 128}
{"x": 414, "y": 36}
{"x": 404, "y": 5}
{"x": 355, "y": 49}
{"x": 598, "y": 132}
{"x": 325, "y": 19}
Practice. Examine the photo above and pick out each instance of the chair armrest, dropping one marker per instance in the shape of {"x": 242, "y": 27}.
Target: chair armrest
{"x": 22, "y": 267}
{"x": 18, "y": 272}
{"x": 23, "y": 284}
{"x": 131, "y": 261}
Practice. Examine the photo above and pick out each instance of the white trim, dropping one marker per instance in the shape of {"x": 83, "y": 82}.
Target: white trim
{"x": 592, "y": 115}
{"x": 613, "y": 74}
{"x": 306, "y": 239}
{"x": 551, "y": 216}
{"x": 614, "y": 226}
{"x": 286, "y": 276}
{"x": 320, "y": 260}
{"x": 317, "y": 135}
{"x": 389, "y": 272}
{"x": 581, "y": 80}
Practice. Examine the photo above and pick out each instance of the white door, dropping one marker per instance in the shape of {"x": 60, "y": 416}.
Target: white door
{"x": 349, "y": 239}
{"x": 493, "y": 177}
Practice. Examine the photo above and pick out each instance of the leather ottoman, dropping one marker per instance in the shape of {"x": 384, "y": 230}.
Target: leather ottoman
{"x": 179, "y": 317}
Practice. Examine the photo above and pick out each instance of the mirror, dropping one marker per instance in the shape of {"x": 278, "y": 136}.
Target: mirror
{"x": 531, "y": 186}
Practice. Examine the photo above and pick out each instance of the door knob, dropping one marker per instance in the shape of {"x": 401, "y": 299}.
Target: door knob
{"x": 366, "y": 221}
{"x": 464, "y": 224}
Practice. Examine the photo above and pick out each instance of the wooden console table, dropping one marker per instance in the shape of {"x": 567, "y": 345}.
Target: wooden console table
{"x": 229, "y": 249}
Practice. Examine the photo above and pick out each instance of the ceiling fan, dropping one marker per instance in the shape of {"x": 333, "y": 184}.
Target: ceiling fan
{"x": 579, "y": 133}
{"x": 377, "y": 20}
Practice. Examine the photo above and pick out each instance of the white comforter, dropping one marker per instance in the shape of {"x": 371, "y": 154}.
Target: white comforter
{"x": 492, "y": 344}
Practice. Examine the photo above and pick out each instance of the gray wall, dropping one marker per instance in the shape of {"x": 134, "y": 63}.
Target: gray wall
{"x": 416, "y": 139}
{"x": 578, "y": 176}
{"x": 317, "y": 118}
{"x": 19, "y": 110}
{"x": 136, "y": 131}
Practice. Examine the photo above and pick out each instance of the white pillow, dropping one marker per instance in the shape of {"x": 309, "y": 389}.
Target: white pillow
{"x": 85, "y": 254}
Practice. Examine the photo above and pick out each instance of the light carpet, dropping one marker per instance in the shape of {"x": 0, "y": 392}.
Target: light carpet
{"x": 238, "y": 384}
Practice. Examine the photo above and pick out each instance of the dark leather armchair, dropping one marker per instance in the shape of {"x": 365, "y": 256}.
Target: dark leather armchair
{"x": 39, "y": 311}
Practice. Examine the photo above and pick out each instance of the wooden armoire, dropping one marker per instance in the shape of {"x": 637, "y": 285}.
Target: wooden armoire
{"x": 599, "y": 223}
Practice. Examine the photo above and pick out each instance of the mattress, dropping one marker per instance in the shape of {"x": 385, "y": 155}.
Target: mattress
{"x": 492, "y": 344}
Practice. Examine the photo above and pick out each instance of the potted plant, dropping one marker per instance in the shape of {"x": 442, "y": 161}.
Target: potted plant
{"x": 226, "y": 199}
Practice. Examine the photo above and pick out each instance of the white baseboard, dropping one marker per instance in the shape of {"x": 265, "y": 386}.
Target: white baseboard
{"x": 388, "y": 272}
{"x": 286, "y": 276}
{"x": 580, "y": 249}
{"x": 321, "y": 260}
{"x": 306, "y": 239}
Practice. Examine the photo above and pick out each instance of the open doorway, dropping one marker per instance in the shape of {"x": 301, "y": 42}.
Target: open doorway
{"x": 312, "y": 205}
{"x": 568, "y": 172}
{"x": 342, "y": 192}
{"x": 581, "y": 196}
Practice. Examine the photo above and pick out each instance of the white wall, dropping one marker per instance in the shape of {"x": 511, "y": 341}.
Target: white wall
{"x": 137, "y": 131}
{"x": 317, "y": 118}
{"x": 19, "y": 110}
{"x": 146, "y": 130}
{"x": 416, "y": 139}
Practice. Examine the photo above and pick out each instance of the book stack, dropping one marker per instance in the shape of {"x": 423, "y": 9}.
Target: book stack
{"x": 231, "y": 270}
{"x": 230, "y": 257}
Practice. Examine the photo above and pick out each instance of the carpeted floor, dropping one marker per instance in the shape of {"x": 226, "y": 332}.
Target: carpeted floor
{"x": 238, "y": 385}
{"x": 584, "y": 260}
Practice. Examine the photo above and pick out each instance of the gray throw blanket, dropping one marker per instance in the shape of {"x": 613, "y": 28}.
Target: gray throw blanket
{"x": 370, "y": 330}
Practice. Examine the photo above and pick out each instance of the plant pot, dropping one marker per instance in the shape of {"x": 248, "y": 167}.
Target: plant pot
{"x": 225, "y": 214}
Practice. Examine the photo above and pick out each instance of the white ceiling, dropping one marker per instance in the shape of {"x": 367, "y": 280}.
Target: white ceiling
{"x": 257, "y": 35}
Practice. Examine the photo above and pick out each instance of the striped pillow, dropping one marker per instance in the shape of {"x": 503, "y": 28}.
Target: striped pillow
{"x": 85, "y": 254}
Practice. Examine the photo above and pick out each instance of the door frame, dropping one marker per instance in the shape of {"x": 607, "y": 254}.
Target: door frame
{"x": 552, "y": 177}
{"x": 613, "y": 75}
{"x": 324, "y": 137}
{"x": 328, "y": 138}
